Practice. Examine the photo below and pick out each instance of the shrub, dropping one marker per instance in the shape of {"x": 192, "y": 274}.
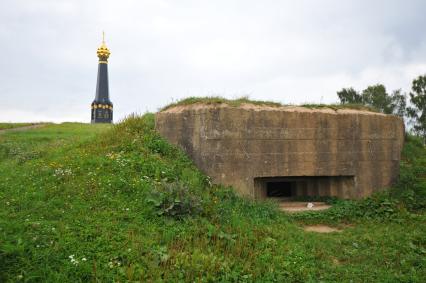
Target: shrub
{"x": 175, "y": 200}
{"x": 411, "y": 186}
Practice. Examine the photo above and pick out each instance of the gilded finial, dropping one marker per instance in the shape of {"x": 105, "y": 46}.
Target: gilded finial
{"x": 103, "y": 51}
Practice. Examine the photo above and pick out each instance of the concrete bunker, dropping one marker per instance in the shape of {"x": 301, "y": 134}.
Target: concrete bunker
{"x": 264, "y": 151}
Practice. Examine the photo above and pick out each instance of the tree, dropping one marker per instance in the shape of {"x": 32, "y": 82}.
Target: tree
{"x": 349, "y": 96}
{"x": 418, "y": 109}
{"x": 399, "y": 103}
{"x": 377, "y": 97}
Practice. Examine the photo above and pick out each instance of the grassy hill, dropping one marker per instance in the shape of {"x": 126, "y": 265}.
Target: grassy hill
{"x": 101, "y": 203}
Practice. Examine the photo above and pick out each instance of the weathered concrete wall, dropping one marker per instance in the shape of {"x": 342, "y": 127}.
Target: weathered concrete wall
{"x": 358, "y": 150}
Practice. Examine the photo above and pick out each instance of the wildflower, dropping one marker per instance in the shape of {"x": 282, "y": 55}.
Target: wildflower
{"x": 73, "y": 260}
{"x": 114, "y": 262}
{"x": 84, "y": 259}
{"x": 60, "y": 172}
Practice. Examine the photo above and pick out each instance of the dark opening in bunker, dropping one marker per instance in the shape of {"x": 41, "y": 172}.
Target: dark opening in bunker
{"x": 302, "y": 186}
{"x": 279, "y": 189}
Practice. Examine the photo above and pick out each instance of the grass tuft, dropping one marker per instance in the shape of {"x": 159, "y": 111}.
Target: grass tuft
{"x": 216, "y": 100}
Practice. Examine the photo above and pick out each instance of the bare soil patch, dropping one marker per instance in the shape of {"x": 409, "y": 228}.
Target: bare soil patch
{"x": 321, "y": 229}
{"x": 259, "y": 107}
{"x": 300, "y": 206}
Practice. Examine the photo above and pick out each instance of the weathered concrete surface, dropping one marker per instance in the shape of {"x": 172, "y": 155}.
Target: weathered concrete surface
{"x": 353, "y": 153}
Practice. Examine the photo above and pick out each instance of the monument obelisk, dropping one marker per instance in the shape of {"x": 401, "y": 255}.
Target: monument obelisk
{"x": 102, "y": 106}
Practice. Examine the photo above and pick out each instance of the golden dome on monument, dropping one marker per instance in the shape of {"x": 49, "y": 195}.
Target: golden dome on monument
{"x": 103, "y": 51}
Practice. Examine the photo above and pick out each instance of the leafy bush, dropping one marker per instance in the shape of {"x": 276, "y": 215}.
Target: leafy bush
{"x": 175, "y": 200}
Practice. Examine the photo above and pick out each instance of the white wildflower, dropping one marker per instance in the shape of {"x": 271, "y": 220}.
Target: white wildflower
{"x": 73, "y": 260}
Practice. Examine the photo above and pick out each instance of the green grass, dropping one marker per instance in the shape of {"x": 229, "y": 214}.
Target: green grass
{"x": 95, "y": 203}
{"x": 6, "y": 126}
{"x": 216, "y": 100}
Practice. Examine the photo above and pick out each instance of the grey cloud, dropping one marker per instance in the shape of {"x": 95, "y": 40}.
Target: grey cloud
{"x": 290, "y": 51}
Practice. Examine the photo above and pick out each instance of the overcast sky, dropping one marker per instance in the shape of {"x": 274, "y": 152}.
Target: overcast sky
{"x": 285, "y": 51}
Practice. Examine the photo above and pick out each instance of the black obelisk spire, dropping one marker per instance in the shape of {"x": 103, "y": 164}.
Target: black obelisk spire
{"x": 102, "y": 106}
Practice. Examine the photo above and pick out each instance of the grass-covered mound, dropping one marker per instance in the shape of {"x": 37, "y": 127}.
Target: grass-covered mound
{"x": 217, "y": 100}
{"x": 95, "y": 203}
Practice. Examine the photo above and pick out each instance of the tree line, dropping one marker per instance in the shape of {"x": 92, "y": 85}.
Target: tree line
{"x": 376, "y": 96}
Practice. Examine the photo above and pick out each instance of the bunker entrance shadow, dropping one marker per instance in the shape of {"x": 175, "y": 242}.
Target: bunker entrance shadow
{"x": 280, "y": 189}
{"x": 288, "y": 188}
